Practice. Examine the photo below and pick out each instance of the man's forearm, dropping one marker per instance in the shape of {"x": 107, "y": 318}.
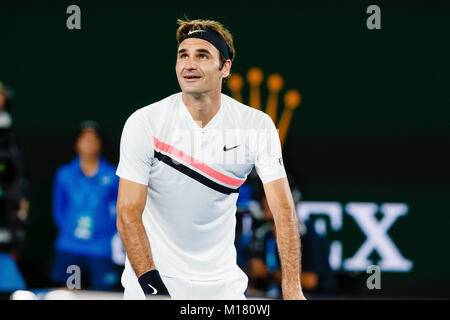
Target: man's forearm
{"x": 135, "y": 242}
{"x": 288, "y": 242}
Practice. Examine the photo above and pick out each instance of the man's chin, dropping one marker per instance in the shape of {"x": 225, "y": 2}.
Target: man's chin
{"x": 193, "y": 92}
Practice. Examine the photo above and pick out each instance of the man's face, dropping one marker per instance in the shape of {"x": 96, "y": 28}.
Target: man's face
{"x": 197, "y": 67}
{"x": 88, "y": 144}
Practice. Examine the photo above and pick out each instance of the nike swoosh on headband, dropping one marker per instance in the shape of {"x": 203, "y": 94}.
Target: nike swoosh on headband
{"x": 194, "y": 31}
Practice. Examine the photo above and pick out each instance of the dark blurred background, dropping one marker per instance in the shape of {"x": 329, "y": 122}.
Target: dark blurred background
{"x": 373, "y": 125}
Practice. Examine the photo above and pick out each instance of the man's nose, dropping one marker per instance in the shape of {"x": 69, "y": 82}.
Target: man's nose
{"x": 190, "y": 64}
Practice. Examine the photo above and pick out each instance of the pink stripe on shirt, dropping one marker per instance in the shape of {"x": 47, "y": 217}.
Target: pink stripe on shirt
{"x": 196, "y": 164}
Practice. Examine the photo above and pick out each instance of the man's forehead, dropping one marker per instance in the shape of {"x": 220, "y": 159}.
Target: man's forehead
{"x": 88, "y": 131}
{"x": 193, "y": 44}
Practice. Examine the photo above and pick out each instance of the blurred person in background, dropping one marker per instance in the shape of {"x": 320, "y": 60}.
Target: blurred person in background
{"x": 317, "y": 276}
{"x": 13, "y": 203}
{"x": 264, "y": 268}
{"x": 84, "y": 210}
{"x": 245, "y": 212}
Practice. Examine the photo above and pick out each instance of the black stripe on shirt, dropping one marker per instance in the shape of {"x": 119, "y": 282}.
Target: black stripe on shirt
{"x": 193, "y": 174}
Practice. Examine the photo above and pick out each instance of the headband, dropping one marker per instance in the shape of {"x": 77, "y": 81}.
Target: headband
{"x": 212, "y": 37}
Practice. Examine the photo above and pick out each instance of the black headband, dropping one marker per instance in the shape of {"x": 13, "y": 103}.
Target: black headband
{"x": 212, "y": 37}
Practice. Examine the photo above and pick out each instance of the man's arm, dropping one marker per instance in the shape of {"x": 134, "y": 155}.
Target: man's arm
{"x": 281, "y": 204}
{"x": 130, "y": 205}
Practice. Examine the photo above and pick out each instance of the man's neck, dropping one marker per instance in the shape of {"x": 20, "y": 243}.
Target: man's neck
{"x": 89, "y": 165}
{"x": 202, "y": 107}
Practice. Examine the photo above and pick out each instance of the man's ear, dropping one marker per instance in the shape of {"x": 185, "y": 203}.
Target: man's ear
{"x": 226, "y": 69}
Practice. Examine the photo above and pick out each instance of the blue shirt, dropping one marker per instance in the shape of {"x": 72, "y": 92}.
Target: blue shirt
{"x": 84, "y": 209}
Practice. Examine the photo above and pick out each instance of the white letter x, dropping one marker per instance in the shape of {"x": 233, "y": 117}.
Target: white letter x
{"x": 377, "y": 237}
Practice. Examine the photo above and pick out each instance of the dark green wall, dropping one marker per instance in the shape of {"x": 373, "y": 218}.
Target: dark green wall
{"x": 373, "y": 125}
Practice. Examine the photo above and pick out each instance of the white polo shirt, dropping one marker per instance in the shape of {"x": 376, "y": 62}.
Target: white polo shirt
{"x": 193, "y": 176}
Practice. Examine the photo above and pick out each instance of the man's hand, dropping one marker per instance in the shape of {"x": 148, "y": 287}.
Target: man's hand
{"x": 292, "y": 290}
{"x": 293, "y": 294}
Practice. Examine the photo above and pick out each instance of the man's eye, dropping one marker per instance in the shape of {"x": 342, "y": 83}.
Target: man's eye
{"x": 203, "y": 56}
{"x": 183, "y": 56}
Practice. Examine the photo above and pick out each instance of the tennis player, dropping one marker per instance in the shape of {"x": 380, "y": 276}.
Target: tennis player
{"x": 182, "y": 161}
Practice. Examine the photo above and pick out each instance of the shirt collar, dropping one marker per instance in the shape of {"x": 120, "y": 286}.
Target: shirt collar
{"x": 214, "y": 122}
{"x": 77, "y": 163}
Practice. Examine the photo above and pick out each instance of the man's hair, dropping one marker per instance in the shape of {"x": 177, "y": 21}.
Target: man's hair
{"x": 190, "y": 25}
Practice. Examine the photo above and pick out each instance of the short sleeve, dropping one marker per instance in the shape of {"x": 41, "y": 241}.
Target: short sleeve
{"x": 269, "y": 159}
{"x": 136, "y": 149}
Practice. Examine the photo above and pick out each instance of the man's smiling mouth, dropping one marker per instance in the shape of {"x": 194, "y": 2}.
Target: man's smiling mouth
{"x": 191, "y": 77}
